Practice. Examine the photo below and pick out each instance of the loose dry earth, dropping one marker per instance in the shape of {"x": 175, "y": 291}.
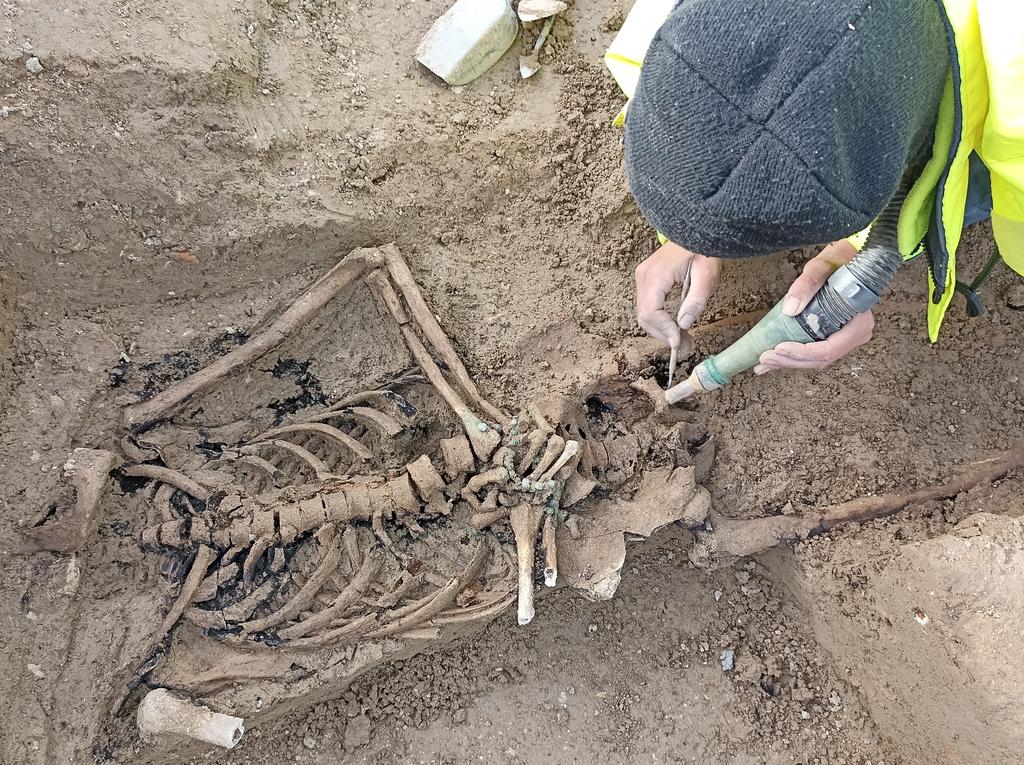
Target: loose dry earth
{"x": 177, "y": 170}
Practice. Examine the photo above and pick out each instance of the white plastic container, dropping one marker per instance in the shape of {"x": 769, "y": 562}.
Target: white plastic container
{"x": 468, "y": 39}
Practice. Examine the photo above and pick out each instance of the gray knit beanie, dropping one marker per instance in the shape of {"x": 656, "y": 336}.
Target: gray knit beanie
{"x": 763, "y": 125}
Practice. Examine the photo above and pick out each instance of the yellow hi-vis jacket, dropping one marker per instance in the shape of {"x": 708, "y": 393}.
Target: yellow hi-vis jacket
{"x": 982, "y": 110}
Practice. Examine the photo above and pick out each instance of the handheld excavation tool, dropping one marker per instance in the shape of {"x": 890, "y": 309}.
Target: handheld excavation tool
{"x": 852, "y": 289}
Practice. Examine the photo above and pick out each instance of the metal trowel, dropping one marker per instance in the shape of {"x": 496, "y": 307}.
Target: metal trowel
{"x": 528, "y": 65}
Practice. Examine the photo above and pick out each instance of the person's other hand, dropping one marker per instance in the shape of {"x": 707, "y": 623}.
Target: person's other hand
{"x": 818, "y": 355}
{"x": 668, "y": 267}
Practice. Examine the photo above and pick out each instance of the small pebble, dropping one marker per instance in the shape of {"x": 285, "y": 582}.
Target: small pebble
{"x": 33, "y": 65}
{"x": 459, "y": 716}
{"x": 309, "y": 742}
{"x": 562, "y": 716}
{"x": 728, "y": 660}
{"x": 482, "y": 427}
{"x": 1015, "y": 297}
{"x": 592, "y": 628}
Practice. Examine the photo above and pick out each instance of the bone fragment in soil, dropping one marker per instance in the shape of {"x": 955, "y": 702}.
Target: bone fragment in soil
{"x": 350, "y": 269}
{"x": 535, "y": 441}
{"x": 380, "y": 421}
{"x": 203, "y": 558}
{"x": 304, "y": 598}
{"x": 350, "y": 538}
{"x": 347, "y": 598}
{"x": 319, "y": 467}
{"x": 170, "y": 476}
{"x": 162, "y": 712}
{"x": 443, "y": 598}
{"x": 457, "y": 455}
{"x": 555, "y": 446}
{"x": 486, "y": 478}
{"x": 321, "y": 429}
{"x": 570, "y": 450}
{"x": 88, "y": 471}
{"x": 550, "y": 551}
{"x": 482, "y": 520}
{"x": 730, "y": 539}
{"x": 483, "y": 438}
{"x": 525, "y": 520}
{"x": 424, "y": 318}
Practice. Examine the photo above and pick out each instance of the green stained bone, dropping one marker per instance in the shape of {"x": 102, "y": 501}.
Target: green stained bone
{"x": 774, "y": 328}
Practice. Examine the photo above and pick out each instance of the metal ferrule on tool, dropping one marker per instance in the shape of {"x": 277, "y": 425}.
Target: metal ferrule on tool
{"x": 852, "y": 289}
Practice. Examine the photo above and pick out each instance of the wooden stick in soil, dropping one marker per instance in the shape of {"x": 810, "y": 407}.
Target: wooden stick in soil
{"x": 732, "y": 539}
{"x": 421, "y": 314}
{"x": 352, "y": 267}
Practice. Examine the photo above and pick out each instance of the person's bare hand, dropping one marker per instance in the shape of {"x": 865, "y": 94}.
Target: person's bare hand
{"x": 817, "y": 355}
{"x": 668, "y": 267}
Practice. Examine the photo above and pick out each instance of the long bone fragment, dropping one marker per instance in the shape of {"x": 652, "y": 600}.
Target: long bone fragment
{"x": 162, "y": 712}
{"x": 535, "y": 441}
{"x": 483, "y": 438}
{"x": 424, "y": 318}
{"x": 351, "y": 268}
{"x": 406, "y": 586}
{"x": 525, "y": 521}
{"x": 550, "y": 552}
{"x": 482, "y": 520}
{"x": 477, "y": 612}
{"x": 486, "y": 478}
{"x": 273, "y": 472}
{"x": 162, "y": 500}
{"x": 320, "y": 468}
{"x": 387, "y": 392}
{"x": 203, "y": 558}
{"x": 554, "y": 448}
{"x": 731, "y": 539}
{"x": 352, "y": 631}
{"x": 350, "y": 538}
{"x": 243, "y": 609}
{"x": 380, "y": 421}
{"x": 252, "y": 558}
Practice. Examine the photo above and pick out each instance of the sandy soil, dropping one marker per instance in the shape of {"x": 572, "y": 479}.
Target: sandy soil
{"x": 175, "y": 171}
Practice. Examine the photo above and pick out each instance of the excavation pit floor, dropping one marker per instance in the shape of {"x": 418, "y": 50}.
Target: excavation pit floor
{"x": 175, "y": 176}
